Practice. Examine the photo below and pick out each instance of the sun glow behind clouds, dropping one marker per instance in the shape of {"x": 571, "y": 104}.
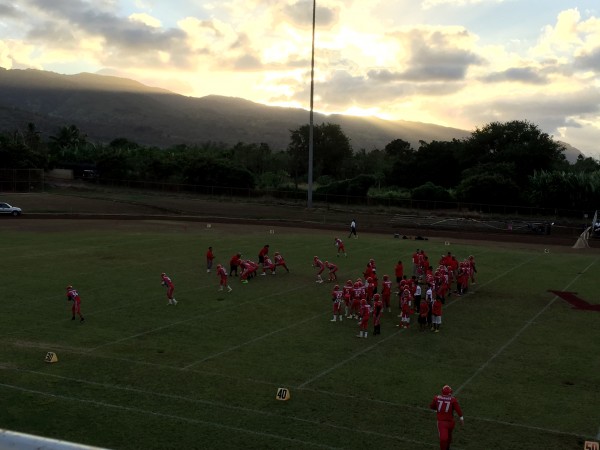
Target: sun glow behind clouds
{"x": 431, "y": 61}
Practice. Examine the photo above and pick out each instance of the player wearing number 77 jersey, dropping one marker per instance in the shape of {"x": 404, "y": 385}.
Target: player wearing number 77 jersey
{"x": 445, "y": 405}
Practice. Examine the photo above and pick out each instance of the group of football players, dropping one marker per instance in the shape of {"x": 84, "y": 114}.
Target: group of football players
{"x": 361, "y": 300}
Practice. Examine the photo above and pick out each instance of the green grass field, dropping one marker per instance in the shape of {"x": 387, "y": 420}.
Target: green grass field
{"x": 139, "y": 374}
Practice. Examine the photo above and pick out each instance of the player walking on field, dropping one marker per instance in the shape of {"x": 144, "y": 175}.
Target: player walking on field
{"x": 166, "y": 281}
{"x": 73, "y": 296}
{"x": 446, "y": 405}
{"x": 222, "y": 274}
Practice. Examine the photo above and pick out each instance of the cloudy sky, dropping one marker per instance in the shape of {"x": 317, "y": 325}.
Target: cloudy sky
{"x": 459, "y": 63}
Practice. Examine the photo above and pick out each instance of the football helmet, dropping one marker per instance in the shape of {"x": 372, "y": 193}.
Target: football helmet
{"x": 446, "y": 390}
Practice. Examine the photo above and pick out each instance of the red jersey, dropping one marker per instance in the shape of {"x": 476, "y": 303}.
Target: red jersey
{"x": 336, "y": 296}
{"x": 209, "y": 255}
{"x": 423, "y": 309}
{"x": 279, "y": 260}
{"x": 399, "y": 270}
{"x": 73, "y": 295}
{"x": 386, "y": 288}
{"x": 263, "y": 251}
{"x": 347, "y": 290}
{"x": 318, "y": 263}
{"x": 235, "y": 260}
{"x": 221, "y": 272}
{"x": 332, "y": 267}
{"x": 445, "y": 405}
{"x": 436, "y": 308}
{"x": 166, "y": 281}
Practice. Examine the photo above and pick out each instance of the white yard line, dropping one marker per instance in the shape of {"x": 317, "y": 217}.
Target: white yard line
{"x": 167, "y": 416}
{"x": 187, "y": 399}
{"x": 256, "y": 339}
{"x": 193, "y": 318}
{"x": 347, "y": 360}
{"x": 519, "y": 332}
{"x": 362, "y": 400}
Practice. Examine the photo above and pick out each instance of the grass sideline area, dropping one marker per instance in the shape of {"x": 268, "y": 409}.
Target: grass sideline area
{"x": 139, "y": 374}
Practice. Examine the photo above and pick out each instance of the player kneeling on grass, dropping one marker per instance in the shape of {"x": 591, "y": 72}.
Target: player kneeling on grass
{"x": 73, "y": 296}
{"x": 166, "y": 281}
{"x": 222, "y": 274}
{"x": 365, "y": 313}
{"x": 336, "y": 297}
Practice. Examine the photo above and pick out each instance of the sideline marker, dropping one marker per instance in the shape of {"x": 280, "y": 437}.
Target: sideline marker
{"x": 208, "y": 225}
{"x": 447, "y": 243}
{"x": 51, "y": 357}
{"x": 283, "y": 394}
{"x": 271, "y": 231}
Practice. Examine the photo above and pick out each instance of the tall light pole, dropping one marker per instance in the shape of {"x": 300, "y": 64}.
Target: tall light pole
{"x": 311, "y": 127}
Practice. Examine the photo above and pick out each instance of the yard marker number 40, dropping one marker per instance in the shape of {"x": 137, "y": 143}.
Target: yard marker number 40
{"x": 283, "y": 394}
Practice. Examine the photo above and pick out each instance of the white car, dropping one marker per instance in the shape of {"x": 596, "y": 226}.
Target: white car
{"x": 5, "y": 208}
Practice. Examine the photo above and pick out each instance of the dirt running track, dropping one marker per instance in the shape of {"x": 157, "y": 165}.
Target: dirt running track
{"x": 70, "y": 211}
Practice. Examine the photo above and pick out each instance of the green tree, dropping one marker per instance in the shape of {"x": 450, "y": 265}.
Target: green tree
{"x": 518, "y": 142}
{"x": 331, "y": 150}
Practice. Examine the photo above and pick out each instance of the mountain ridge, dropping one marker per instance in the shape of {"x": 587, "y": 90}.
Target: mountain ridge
{"x": 108, "y": 107}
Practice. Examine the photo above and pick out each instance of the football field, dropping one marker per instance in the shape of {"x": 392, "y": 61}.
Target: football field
{"x": 140, "y": 374}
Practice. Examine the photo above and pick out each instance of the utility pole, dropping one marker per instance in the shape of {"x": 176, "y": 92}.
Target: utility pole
{"x": 309, "y": 202}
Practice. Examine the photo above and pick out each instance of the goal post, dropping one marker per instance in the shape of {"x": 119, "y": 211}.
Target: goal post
{"x": 591, "y": 231}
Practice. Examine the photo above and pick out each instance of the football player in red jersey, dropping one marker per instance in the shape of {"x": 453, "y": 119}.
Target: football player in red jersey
{"x": 234, "y": 263}
{"x": 347, "y": 289}
{"x": 446, "y": 405}
{"x": 318, "y": 264}
{"x": 337, "y": 296}
{"x": 406, "y": 308}
{"x": 279, "y": 261}
{"x": 268, "y": 265}
{"x": 340, "y": 246}
{"x": 436, "y": 314}
{"x": 222, "y": 274}
{"x": 73, "y": 296}
{"x": 333, "y": 268}
{"x": 377, "y": 313}
{"x": 365, "y": 313}
{"x": 386, "y": 292}
{"x": 210, "y": 256}
{"x": 356, "y": 296}
{"x": 166, "y": 281}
